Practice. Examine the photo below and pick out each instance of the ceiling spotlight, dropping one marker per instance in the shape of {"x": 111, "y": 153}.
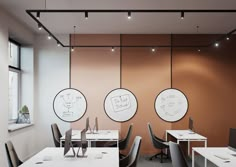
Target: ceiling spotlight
{"x": 153, "y": 49}
{"x": 38, "y": 15}
{"x": 39, "y": 26}
{"x": 72, "y": 49}
{"x": 182, "y": 15}
{"x": 216, "y": 44}
{"x": 58, "y": 44}
{"x": 113, "y": 49}
{"x": 129, "y": 15}
{"x": 49, "y": 37}
{"x": 199, "y": 50}
{"x": 86, "y": 15}
{"x": 227, "y": 38}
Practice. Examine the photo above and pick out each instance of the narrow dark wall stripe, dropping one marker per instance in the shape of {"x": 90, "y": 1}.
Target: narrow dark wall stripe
{"x": 171, "y": 52}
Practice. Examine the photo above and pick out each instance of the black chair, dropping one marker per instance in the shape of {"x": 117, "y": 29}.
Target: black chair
{"x": 123, "y": 143}
{"x": 12, "y": 157}
{"x": 56, "y": 134}
{"x": 158, "y": 144}
{"x": 131, "y": 159}
{"x": 177, "y": 156}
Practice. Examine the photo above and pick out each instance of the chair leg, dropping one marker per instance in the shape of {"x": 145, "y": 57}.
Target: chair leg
{"x": 154, "y": 156}
{"x": 167, "y": 156}
{"x": 121, "y": 156}
{"x": 161, "y": 156}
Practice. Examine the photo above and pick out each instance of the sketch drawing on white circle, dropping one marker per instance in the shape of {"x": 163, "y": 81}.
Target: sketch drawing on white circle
{"x": 69, "y": 105}
{"x": 171, "y": 105}
{"x": 120, "y": 105}
{"x": 69, "y": 101}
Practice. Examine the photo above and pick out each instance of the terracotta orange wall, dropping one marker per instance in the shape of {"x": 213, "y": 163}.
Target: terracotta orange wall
{"x": 208, "y": 80}
{"x": 95, "y": 72}
{"x": 146, "y": 74}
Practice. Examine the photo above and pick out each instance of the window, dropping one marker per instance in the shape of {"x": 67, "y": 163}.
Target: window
{"x": 14, "y": 80}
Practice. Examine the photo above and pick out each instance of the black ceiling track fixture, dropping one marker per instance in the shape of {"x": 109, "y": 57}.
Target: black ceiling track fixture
{"x": 35, "y": 15}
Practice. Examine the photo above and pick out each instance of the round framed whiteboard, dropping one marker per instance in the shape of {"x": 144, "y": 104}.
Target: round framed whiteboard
{"x": 171, "y": 105}
{"x": 120, "y": 105}
{"x": 69, "y": 105}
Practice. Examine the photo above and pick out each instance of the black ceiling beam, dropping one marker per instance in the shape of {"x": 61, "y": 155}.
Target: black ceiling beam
{"x": 134, "y": 11}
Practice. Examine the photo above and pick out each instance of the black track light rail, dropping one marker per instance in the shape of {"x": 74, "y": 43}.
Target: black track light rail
{"x": 38, "y": 11}
{"x": 135, "y": 46}
{"x": 45, "y": 28}
{"x": 135, "y": 11}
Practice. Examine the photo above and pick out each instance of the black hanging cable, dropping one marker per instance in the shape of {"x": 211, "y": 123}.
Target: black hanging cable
{"x": 72, "y": 48}
{"x": 199, "y": 49}
{"x": 74, "y": 35}
{"x": 70, "y": 64}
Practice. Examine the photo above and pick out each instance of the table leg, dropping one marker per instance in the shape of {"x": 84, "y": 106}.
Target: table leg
{"x": 166, "y": 136}
{"x": 188, "y": 148}
{"x": 205, "y": 158}
{"x": 89, "y": 143}
{"x": 193, "y": 156}
{"x": 177, "y": 141}
{"x": 60, "y": 143}
{"x": 166, "y": 141}
{"x": 118, "y": 143}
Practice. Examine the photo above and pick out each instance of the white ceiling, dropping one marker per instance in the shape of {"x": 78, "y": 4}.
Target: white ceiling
{"x": 116, "y": 23}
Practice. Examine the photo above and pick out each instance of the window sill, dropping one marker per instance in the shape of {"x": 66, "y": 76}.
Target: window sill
{"x": 14, "y": 127}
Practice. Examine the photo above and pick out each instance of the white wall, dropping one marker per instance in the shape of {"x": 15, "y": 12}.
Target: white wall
{"x": 51, "y": 76}
{"x": 3, "y": 88}
{"x": 46, "y": 68}
{"x": 23, "y": 140}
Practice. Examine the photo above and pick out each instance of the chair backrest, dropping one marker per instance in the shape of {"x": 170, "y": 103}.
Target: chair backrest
{"x": 124, "y": 143}
{"x": 13, "y": 159}
{"x": 156, "y": 142}
{"x": 56, "y": 135}
{"x": 134, "y": 152}
{"x": 150, "y": 133}
{"x": 177, "y": 156}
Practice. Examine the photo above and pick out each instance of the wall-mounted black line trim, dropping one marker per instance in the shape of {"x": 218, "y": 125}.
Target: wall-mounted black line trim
{"x": 70, "y": 65}
{"x": 171, "y": 51}
{"x": 134, "y": 11}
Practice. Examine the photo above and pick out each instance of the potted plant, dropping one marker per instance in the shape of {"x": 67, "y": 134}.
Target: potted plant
{"x": 24, "y": 115}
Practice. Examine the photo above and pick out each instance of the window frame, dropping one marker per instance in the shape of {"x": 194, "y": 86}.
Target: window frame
{"x": 18, "y": 71}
